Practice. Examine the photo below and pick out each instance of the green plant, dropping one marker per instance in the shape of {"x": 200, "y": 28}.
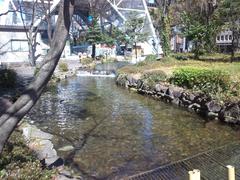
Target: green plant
{"x": 63, "y": 67}
{"x": 151, "y": 57}
{"x": 19, "y": 162}
{"x": 206, "y": 80}
{"x": 180, "y": 56}
{"x": 154, "y": 77}
{"x": 36, "y": 70}
{"x": 86, "y": 61}
{"x": 7, "y": 78}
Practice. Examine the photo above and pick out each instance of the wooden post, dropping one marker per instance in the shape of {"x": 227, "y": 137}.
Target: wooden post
{"x": 194, "y": 175}
{"x": 191, "y": 175}
{"x": 231, "y": 172}
{"x": 197, "y": 174}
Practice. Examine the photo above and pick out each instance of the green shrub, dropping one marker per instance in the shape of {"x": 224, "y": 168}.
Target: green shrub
{"x": 180, "y": 57}
{"x": 151, "y": 57}
{"x": 19, "y": 162}
{"x": 86, "y": 60}
{"x": 7, "y": 78}
{"x": 153, "y": 77}
{"x": 63, "y": 67}
{"x": 142, "y": 63}
{"x": 202, "y": 79}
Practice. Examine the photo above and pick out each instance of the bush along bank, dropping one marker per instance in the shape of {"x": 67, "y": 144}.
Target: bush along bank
{"x": 200, "y": 102}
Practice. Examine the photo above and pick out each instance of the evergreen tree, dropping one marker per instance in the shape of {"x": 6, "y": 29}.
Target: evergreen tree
{"x": 94, "y": 35}
{"x": 133, "y": 30}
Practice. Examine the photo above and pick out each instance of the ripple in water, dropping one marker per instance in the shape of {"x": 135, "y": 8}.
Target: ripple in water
{"x": 117, "y": 133}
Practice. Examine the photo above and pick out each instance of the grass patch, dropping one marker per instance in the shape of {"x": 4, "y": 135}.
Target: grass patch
{"x": 171, "y": 65}
{"x": 153, "y": 77}
{"x": 213, "y": 57}
{"x": 63, "y": 67}
{"x": 18, "y": 162}
{"x": 86, "y": 61}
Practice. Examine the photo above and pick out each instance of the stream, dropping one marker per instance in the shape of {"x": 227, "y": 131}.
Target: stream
{"x": 115, "y": 132}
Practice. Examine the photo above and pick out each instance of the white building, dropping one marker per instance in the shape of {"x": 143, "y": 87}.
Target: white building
{"x": 14, "y": 42}
{"x": 224, "y": 41}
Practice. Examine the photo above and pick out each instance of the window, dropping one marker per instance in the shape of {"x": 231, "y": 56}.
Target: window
{"x": 230, "y": 37}
{"x": 226, "y": 37}
{"x": 218, "y": 38}
{"x": 19, "y": 45}
{"x": 14, "y": 18}
{"x": 222, "y": 38}
{"x": 151, "y": 1}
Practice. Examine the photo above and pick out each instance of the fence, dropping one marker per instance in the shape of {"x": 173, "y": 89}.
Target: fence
{"x": 196, "y": 175}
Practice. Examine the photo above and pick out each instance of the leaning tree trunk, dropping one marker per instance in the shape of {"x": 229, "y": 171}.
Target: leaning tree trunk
{"x": 26, "y": 101}
{"x": 232, "y": 47}
{"x": 93, "y": 51}
{"x": 136, "y": 55}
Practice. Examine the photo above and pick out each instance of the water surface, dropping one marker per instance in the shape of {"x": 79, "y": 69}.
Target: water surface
{"x": 117, "y": 133}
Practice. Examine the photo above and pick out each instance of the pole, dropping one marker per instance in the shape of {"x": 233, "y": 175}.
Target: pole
{"x": 231, "y": 172}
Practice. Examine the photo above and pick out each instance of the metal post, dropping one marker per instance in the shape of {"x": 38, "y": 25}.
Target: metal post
{"x": 231, "y": 172}
{"x": 154, "y": 34}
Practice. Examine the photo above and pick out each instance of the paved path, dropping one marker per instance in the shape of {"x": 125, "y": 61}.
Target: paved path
{"x": 212, "y": 165}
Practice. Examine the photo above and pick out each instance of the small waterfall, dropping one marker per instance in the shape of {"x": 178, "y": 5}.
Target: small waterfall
{"x": 103, "y": 70}
{"x": 96, "y": 73}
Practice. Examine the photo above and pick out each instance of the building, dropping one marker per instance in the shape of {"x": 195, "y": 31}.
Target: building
{"x": 224, "y": 42}
{"x": 14, "y": 43}
{"x": 179, "y": 43}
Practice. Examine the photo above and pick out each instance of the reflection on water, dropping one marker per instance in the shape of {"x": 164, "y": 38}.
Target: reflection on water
{"x": 117, "y": 133}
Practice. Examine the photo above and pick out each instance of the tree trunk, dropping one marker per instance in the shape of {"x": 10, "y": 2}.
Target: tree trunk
{"x": 31, "y": 56}
{"x": 13, "y": 115}
{"x": 232, "y": 46}
{"x": 93, "y": 51}
{"x": 136, "y": 51}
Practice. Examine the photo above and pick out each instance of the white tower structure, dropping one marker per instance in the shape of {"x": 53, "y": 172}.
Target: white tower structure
{"x": 123, "y": 8}
{"x": 13, "y": 41}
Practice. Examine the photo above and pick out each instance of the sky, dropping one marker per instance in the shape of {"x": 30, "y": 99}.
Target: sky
{"x": 1, "y": 4}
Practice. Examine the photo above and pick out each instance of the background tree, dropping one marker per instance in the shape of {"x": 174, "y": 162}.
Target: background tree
{"x": 201, "y": 24}
{"x": 163, "y": 24}
{"x": 31, "y": 12}
{"x": 94, "y": 35}
{"x": 133, "y": 30}
{"x": 13, "y": 115}
{"x": 230, "y": 14}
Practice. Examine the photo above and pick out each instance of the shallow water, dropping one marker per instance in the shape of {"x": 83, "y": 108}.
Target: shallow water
{"x": 117, "y": 133}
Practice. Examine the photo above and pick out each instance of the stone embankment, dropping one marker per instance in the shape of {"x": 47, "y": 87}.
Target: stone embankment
{"x": 200, "y": 103}
{"x": 41, "y": 144}
{"x": 73, "y": 67}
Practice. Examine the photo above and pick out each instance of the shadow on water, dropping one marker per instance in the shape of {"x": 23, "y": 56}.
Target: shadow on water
{"x": 116, "y": 133}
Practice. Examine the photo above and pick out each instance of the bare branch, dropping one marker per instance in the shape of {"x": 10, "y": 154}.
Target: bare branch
{"x": 5, "y": 13}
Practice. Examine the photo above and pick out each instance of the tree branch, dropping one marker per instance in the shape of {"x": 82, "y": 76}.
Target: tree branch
{"x": 10, "y": 119}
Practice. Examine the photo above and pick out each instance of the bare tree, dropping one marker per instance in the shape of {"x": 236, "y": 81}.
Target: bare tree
{"x": 6, "y": 13}
{"x": 46, "y": 7}
{"x": 35, "y": 10}
{"x": 14, "y": 114}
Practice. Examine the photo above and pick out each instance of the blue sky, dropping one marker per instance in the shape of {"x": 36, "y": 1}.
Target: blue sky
{"x": 1, "y": 3}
